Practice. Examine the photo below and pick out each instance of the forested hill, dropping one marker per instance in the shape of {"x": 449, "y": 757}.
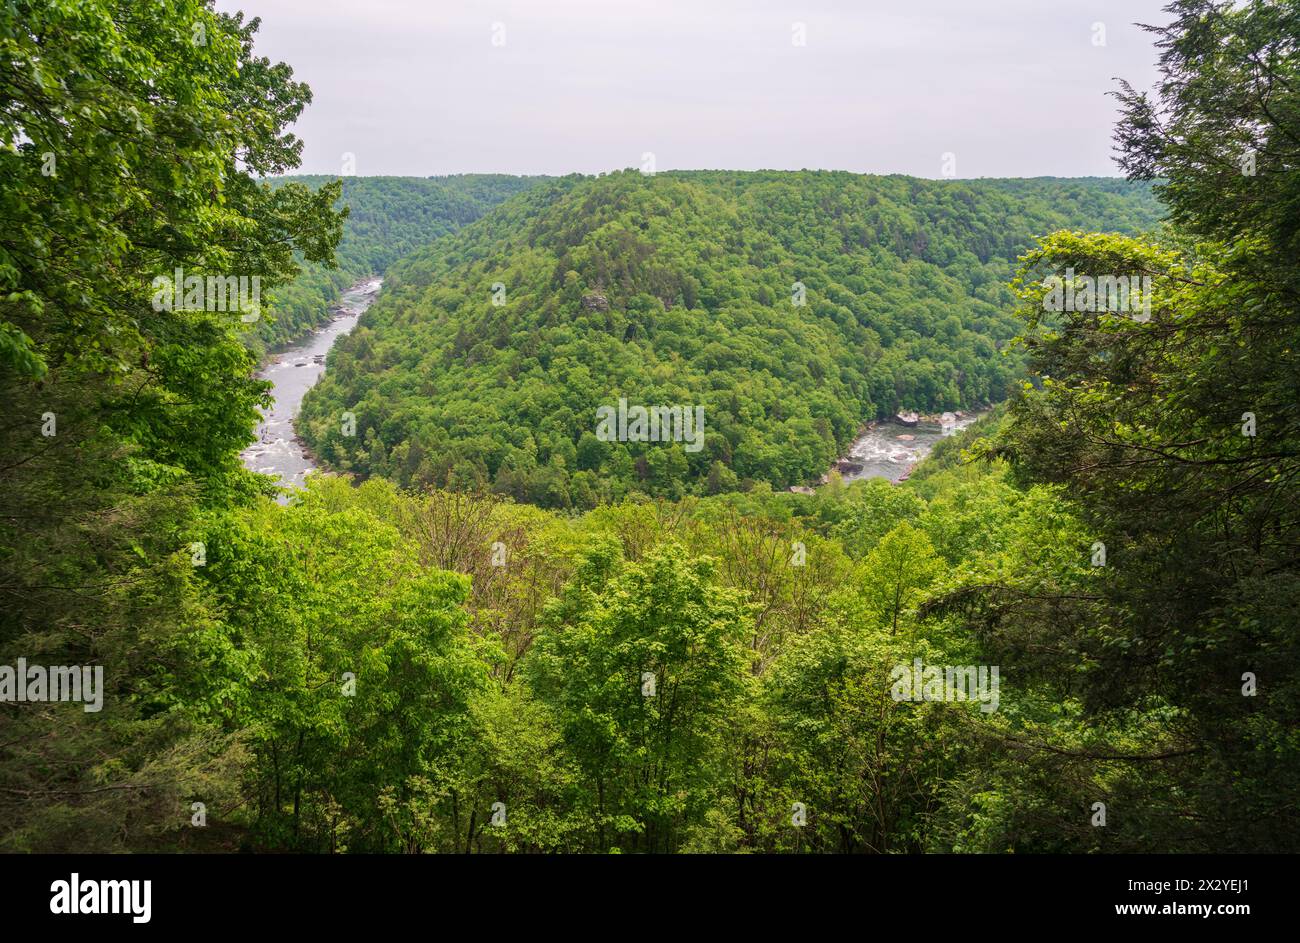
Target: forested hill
{"x": 792, "y": 306}
{"x": 1115, "y": 555}
{"x": 388, "y": 217}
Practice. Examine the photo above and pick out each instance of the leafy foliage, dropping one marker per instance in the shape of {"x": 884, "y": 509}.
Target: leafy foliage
{"x": 681, "y": 289}
{"x": 127, "y": 149}
{"x": 387, "y": 218}
{"x": 692, "y": 661}
{"x": 1177, "y": 439}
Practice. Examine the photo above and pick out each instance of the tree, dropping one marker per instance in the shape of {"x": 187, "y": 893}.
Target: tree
{"x": 641, "y": 664}
{"x": 898, "y": 570}
{"x": 875, "y": 508}
{"x": 130, "y": 146}
{"x": 353, "y": 676}
{"x": 1178, "y": 439}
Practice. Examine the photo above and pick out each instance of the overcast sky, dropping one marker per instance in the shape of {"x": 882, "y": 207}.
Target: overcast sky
{"x": 421, "y": 87}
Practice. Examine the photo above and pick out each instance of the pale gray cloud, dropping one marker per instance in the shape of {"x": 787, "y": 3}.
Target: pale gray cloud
{"x": 1011, "y": 87}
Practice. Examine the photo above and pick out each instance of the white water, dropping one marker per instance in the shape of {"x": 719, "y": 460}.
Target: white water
{"x": 293, "y": 372}
{"x": 883, "y": 454}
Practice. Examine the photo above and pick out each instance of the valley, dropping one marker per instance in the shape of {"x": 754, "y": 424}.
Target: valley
{"x": 615, "y": 522}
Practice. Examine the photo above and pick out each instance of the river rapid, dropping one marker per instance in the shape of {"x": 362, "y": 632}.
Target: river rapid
{"x": 890, "y": 449}
{"x": 292, "y": 373}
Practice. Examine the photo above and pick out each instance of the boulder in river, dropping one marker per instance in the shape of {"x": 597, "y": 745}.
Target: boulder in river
{"x": 905, "y": 436}
{"x": 907, "y": 419}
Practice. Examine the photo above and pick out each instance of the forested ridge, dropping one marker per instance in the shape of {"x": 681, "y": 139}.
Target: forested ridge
{"x": 387, "y": 217}
{"x": 791, "y": 306}
{"x": 394, "y": 665}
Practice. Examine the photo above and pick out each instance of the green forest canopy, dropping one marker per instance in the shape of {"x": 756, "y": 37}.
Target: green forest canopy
{"x": 681, "y": 289}
{"x": 387, "y": 218}
{"x": 373, "y": 668}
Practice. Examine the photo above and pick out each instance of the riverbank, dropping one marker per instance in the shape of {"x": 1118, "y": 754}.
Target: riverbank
{"x": 293, "y": 371}
{"x": 888, "y": 449}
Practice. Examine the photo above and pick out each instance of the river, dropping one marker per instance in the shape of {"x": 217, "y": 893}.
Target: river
{"x": 889, "y": 449}
{"x": 883, "y": 450}
{"x": 292, "y": 373}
